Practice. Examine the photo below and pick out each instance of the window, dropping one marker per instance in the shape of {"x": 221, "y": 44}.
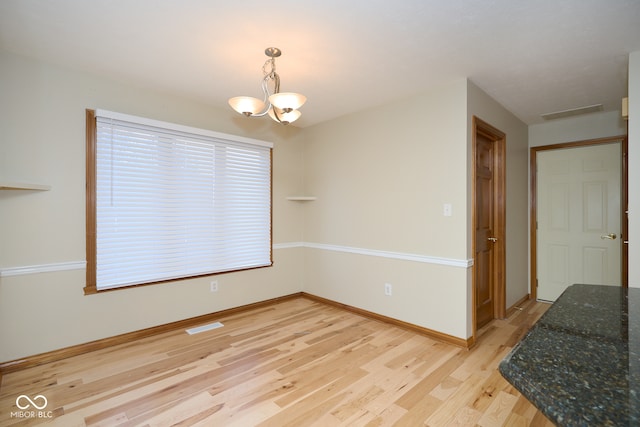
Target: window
{"x": 166, "y": 202}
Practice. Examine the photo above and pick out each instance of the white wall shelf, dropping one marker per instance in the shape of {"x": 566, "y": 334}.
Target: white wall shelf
{"x": 301, "y": 198}
{"x": 23, "y": 186}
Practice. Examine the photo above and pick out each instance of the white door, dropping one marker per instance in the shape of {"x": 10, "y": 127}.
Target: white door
{"x": 578, "y": 214}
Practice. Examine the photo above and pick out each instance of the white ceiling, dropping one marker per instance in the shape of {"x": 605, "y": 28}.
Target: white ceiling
{"x": 532, "y": 56}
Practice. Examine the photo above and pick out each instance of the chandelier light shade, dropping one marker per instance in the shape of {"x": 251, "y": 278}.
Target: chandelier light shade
{"x": 246, "y": 105}
{"x": 281, "y": 107}
{"x": 287, "y": 101}
{"x": 280, "y": 116}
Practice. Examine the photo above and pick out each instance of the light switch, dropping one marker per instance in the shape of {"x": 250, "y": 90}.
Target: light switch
{"x": 448, "y": 210}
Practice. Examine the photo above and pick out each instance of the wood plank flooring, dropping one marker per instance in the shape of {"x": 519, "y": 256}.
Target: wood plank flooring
{"x": 294, "y": 363}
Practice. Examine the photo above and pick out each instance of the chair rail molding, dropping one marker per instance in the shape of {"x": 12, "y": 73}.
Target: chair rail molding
{"x": 81, "y": 265}
{"x": 42, "y": 268}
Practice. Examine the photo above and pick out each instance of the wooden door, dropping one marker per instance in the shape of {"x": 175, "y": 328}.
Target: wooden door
{"x": 578, "y": 220}
{"x": 489, "y": 283}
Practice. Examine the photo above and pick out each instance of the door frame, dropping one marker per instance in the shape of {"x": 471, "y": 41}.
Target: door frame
{"x": 499, "y": 218}
{"x": 624, "y": 196}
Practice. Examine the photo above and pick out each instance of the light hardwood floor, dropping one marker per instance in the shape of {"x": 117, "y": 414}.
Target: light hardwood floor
{"x": 294, "y": 363}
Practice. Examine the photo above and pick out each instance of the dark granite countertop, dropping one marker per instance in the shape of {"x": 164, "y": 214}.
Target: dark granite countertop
{"x": 580, "y": 363}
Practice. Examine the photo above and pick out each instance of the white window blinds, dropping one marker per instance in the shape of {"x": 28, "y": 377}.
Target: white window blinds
{"x": 175, "y": 202}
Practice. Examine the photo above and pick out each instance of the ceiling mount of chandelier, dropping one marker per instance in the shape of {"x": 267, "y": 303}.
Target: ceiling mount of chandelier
{"x": 281, "y": 107}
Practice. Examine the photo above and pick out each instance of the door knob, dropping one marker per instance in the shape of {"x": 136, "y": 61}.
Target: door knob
{"x": 610, "y": 236}
{"x": 493, "y": 239}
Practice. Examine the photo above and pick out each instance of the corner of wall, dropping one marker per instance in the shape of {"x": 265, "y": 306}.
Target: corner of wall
{"x": 634, "y": 168}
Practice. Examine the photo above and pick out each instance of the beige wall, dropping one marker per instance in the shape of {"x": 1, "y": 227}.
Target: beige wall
{"x": 517, "y": 161}
{"x": 381, "y": 178}
{"x": 42, "y": 140}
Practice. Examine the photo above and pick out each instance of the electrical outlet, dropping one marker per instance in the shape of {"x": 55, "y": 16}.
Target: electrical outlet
{"x": 214, "y": 286}
{"x": 387, "y": 289}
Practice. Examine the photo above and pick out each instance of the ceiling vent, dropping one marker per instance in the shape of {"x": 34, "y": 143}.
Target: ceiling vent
{"x": 572, "y": 112}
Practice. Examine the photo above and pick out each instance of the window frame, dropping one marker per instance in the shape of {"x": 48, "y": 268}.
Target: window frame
{"x": 91, "y": 212}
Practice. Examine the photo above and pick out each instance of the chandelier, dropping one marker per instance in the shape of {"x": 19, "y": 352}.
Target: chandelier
{"x": 281, "y": 107}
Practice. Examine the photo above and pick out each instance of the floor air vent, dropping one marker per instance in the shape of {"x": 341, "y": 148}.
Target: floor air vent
{"x": 204, "y": 328}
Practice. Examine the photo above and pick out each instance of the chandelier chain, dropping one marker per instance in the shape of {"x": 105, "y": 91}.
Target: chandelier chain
{"x": 272, "y": 64}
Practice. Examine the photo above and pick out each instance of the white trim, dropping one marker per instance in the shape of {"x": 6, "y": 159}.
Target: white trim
{"x": 464, "y": 263}
{"x": 4, "y": 185}
{"x": 180, "y": 128}
{"x": 80, "y": 265}
{"x": 288, "y": 245}
{"x": 42, "y": 268}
